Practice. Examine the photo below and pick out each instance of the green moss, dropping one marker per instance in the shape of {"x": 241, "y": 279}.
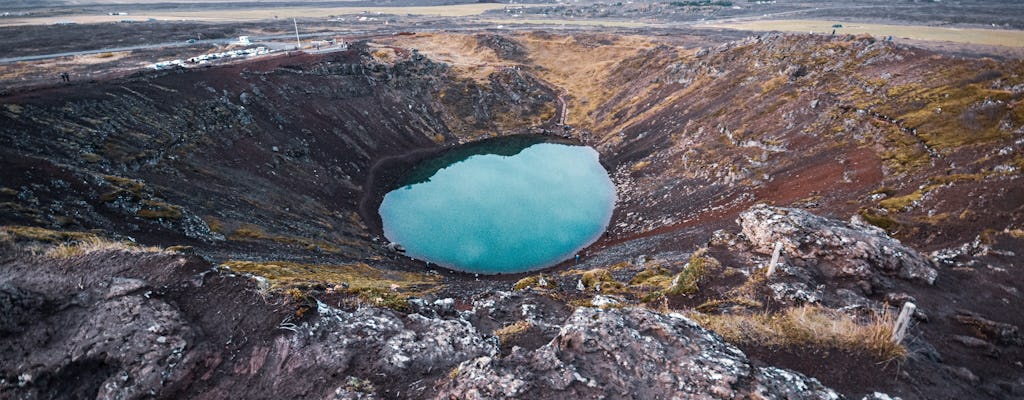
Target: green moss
{"x": 882, "y": 221}
{"x": 688, "y": 280}
{"x": 656, "y": 277}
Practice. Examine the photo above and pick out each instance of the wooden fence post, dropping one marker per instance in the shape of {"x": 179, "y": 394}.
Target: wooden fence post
{"x": 775, "y": 258}
{"x": 903, "y": 322}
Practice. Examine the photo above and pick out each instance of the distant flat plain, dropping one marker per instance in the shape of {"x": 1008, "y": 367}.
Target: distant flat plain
{"x": 993, "y": 37}
{"x": 252, "y": 14}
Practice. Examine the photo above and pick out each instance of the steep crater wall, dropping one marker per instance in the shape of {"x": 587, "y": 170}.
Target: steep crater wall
{"x": 272, "y": 154}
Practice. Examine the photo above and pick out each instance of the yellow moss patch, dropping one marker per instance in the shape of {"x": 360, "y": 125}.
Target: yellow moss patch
{"x": 655, "y": 277}
{"x": 214, "y": 223}
{"x": 601, "y": 280}
{"x": 774, "y": 83}
{"x": 359, "y": 276}
{"x": 179, "y": 249}
{"x": 67, "y": 244}
{"x": 92, "y": 157}
{"x": 44, "y": 235}
{"x": 513, "y": 332}
{"x": 640, "y": 165}
{"x": 688, "y": 280}
{"x": 902, "y": 202}
{"x": 535, "y": 282}
{"x": 934, "y": 219}
{"x": 132, "y": 185}
{"x": 152, "y": 209}
{"x": 808, "y": 327}
{"x": 97, "y": 244}
{"x": 941, "y": 121}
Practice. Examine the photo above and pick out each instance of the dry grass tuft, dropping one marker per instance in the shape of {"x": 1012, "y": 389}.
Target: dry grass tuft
{"x": 809, "y": 326}
{"x": 32, "y": 233}
{"x": 65, "y": 244}
{"x": 97, "y": 244}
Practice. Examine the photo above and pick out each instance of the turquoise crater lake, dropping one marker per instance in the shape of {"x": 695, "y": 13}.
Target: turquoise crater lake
{"x": 493, "y": 213}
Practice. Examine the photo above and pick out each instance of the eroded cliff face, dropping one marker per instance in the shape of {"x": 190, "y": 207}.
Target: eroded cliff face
{"x": 263, "y": 170}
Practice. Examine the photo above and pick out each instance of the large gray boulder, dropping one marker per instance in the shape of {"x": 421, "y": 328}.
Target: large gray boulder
{"x": 836, "y": 248}
{"x": 632, "y": 353}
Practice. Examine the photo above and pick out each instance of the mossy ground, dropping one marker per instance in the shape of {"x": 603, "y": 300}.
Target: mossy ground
{"x": 378, "y": 286}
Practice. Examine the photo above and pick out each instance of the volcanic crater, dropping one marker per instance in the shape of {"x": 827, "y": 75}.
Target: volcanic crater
{"x": 213, "y": 232}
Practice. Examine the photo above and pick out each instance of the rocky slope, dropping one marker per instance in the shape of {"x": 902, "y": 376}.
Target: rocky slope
{"x": 888, "y": 174}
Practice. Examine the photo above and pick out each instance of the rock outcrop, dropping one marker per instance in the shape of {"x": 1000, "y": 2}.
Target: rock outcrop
{"x": 837, "y": 249}
{"x": 188, "y": 330}
{"x": 628, "y": 353}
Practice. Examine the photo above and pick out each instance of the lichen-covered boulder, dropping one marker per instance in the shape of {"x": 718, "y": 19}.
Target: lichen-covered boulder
{"x": 628, "y": 353}
{"x": 836, "y": 248}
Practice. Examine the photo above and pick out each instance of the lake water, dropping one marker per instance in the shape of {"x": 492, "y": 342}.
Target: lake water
{"x": 509, "y": 212}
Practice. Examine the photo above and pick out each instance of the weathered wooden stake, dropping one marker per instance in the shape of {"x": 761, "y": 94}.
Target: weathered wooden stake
{"x": 903, "y": 322}
{"x": 775, "y": 258}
